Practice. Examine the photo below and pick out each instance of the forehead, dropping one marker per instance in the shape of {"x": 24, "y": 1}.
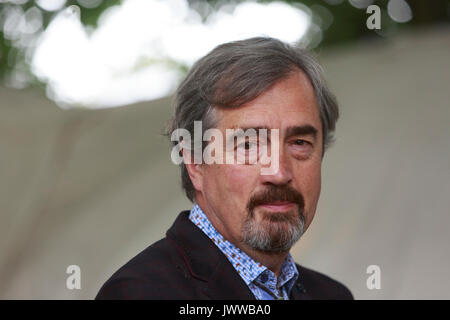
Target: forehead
{"x": 290, "y": 102}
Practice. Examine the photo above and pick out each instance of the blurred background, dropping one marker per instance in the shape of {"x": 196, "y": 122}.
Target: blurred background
{"x": 86, "y": 177}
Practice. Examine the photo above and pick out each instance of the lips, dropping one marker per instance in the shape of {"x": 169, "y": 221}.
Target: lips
{"x": 278, "y": 206}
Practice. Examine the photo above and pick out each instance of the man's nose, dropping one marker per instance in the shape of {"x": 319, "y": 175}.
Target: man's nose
{"x": 282, "y": 174}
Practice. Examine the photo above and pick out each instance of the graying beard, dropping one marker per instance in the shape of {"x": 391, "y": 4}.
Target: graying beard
{"x": 258, "y": 238}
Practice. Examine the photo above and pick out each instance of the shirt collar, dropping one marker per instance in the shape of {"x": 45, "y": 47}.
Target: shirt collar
{"x": 247, "y": 268}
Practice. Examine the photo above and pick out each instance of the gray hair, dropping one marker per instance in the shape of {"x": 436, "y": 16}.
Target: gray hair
{"x": 238, "y": 72}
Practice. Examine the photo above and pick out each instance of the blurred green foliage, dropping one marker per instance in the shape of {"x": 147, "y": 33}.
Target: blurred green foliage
{"x": 346, "y": 24}
{"x": 11, "y": 56}
{"x": 350, "y": 25}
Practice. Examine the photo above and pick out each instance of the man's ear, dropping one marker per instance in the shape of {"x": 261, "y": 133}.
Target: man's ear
{"x": 195, "y": 171}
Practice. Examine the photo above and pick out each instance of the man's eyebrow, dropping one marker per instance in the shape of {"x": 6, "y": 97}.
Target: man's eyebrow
{"x": 301, "y": 130}
{"x": 247, "y": 128}
{"x": 290, "y": 131}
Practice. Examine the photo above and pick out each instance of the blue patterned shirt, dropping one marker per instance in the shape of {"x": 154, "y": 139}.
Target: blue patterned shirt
{"x": 253, "y": 273}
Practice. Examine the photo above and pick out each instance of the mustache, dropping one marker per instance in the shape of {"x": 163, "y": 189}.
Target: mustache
{"x": 274, "y": 193}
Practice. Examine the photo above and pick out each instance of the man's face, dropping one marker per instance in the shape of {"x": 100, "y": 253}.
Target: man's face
{"x": 268, "y": 212}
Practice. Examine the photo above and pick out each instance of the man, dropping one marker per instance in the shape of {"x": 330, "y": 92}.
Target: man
{"x": 234, "y": 243}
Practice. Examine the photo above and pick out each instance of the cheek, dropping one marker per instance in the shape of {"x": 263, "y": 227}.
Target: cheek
{"x": 232, "y": 184}
{"x": 310, "y": 185}
{"x": 240, "y": 181}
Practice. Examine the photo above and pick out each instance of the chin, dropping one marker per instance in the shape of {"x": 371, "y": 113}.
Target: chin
{"x": 273, "y": 232}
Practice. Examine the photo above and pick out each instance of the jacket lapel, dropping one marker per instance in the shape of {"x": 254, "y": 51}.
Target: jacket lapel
{"x": 206, "y": 263}
{"x": 226, "y": 284}
{"x": 299, "y": 292}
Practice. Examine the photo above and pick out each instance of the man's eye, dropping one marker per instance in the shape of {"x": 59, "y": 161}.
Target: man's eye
{"x": 301, "y": 148}
{"x": 301, "y": 142}
{"x": 247, "y": 145}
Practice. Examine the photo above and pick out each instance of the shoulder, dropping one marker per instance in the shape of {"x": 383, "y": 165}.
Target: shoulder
{"x": 152, "y": 274}
{"x": 321, "y": 286}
